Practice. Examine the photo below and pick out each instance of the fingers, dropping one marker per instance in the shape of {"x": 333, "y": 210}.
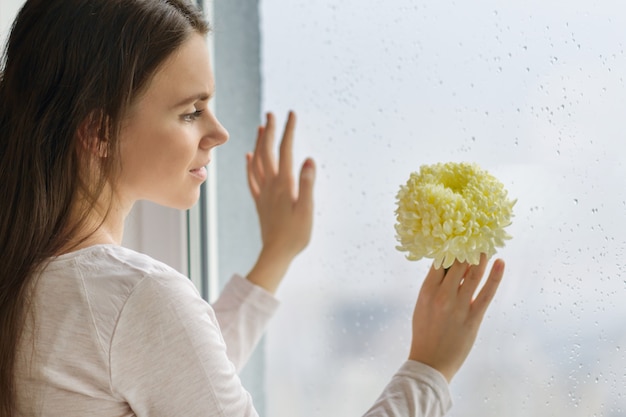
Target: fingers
{"x": 453, "y": 277}
{"x": 486, "y": 294}
{"x": 263, "y": 163}
{"x": 286, "y": 147}
{"x": 307, "y": 179}
{"x": 448, "y": 279}
{"x": 434, "y": 277}
{"x": 255, "y": 163}
{"x": 461, "y": 280}
{"x": 252, "y": 178}
{"x": 267, "y": 145}
{"x": 472, "y": 279}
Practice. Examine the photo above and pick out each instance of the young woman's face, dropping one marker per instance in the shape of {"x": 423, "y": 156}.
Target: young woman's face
{"x": 167, "y": 137}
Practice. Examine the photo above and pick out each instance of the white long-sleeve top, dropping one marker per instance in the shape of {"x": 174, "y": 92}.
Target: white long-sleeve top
{"x": 114, "y": 333}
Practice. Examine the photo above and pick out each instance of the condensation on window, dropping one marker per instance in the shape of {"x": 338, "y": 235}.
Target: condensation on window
{"x": 532, "y": 91}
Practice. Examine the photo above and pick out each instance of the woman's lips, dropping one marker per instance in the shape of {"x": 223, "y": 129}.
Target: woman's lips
{"x": 199, "y": 173}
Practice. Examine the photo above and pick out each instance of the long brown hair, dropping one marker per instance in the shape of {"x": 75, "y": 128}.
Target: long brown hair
{"x": 68, "y": 65}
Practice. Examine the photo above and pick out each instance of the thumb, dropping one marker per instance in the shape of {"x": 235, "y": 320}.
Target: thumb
{"x": 307, "y": 179}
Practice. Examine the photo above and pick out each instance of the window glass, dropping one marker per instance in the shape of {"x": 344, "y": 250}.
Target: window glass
{"x": 8, "y": 11}
{"x": 533, "y": 92}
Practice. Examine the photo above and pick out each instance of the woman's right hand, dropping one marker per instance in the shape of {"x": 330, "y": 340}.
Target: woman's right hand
{"x": 447, "y": 316}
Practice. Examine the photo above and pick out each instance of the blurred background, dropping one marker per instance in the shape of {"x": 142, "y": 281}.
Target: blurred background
{"x": 533, "y": 92}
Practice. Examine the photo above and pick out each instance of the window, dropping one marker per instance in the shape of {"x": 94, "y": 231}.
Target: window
{"x": 8, "y": 11}
{"x": 533, "y": 92}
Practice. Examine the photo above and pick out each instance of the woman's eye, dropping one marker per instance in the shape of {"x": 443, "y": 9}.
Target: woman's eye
{"x": 192, "y": 116}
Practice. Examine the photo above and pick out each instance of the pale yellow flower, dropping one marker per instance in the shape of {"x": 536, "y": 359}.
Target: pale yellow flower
{"x": 452, "y": 211}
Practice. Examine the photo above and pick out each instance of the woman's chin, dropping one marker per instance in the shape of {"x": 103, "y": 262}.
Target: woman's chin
{"x": 182, "y": 202}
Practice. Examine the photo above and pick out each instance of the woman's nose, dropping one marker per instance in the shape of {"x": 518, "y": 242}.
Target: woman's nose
{"x": 216, "y": 133}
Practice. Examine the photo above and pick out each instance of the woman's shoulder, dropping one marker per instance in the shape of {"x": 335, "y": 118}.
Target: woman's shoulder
{"x": 109, "y": 255}
{"x": 112, "y": 270}
{"x": 110, "y": 261}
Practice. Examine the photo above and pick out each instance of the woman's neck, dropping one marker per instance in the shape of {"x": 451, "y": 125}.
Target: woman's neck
{"x": 103, "y": 224}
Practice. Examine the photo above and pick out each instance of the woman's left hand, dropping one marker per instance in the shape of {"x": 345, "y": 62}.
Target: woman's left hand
{"x": 285, "y": 212}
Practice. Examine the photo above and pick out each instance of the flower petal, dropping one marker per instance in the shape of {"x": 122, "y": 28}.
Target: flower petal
{"x": 452, "y": 211}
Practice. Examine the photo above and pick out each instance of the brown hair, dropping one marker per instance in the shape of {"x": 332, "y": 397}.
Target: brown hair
{"x": 68, "y": 65}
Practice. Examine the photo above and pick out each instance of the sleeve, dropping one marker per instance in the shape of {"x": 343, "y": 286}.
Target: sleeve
{"x": 416, "y": 390}
{"x": 243, "y": 311}
{"x": 168, "y": 357}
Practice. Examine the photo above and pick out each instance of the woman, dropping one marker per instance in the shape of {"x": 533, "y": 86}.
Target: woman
{"x": 103, "y": 103}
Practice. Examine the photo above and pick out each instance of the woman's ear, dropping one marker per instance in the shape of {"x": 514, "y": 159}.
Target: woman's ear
{"x": 93, "y": 134}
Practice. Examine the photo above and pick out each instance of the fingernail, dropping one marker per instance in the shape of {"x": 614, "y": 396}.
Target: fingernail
{"x": 499, "y": 265}
{"x": 308, "y": 170}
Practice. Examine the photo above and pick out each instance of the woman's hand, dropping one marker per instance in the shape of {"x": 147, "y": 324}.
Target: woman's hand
{"x": 447, "y": 316}
{"x": 285, "y": 212}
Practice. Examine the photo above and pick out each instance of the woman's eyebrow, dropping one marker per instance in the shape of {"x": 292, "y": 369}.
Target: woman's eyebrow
{"x": 194, "y": 98}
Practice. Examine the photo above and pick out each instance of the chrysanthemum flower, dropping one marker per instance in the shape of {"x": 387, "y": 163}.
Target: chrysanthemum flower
{"x": 452, "y": 211}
